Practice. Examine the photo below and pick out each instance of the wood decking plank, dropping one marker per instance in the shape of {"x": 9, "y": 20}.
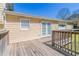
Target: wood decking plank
{"x": 30, "y": 48}
{"x": 48, "y": 51}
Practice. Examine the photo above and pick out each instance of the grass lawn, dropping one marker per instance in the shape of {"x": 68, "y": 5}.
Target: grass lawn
{"x": 73, "y": 43}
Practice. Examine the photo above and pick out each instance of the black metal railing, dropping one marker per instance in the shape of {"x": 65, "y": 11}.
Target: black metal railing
{"x": 66, "y": 42}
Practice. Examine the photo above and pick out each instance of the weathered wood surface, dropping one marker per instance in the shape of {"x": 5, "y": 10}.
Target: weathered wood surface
{"x": 3, "y": 41}
{"x": 65, "y": 42}
{"x": 30, "y": 48}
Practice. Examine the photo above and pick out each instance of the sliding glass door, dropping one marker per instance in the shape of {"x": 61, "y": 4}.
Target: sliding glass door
{"x": 43, "y": 29}
{"x": 46, "y": 29}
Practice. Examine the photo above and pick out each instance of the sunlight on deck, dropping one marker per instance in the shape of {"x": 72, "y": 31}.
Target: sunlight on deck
{"x": 30, "y": 48}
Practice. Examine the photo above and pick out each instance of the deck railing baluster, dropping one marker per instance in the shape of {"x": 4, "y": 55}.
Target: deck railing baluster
{"x": 55, "y": 38}
{"x": 71, "y": 43}
{"x": 60, "y": 40}
{"x": 78, "y": 44}
{"x": 75, "y": 43}
{"x": 66, "y": 41}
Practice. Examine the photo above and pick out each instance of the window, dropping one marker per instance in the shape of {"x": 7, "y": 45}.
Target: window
{"x": 24, "y": 24}
{"x": 75, "y": 25}
{"x": 61, "y": 26}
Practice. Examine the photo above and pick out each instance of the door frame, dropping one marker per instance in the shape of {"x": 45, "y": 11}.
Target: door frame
{"x": 46, "y": 30}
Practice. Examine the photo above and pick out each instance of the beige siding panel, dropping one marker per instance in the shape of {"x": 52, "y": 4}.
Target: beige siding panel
{"x": 54, "y": 26}
{"x": 17, "y": 35}
{"x": 1, "y": 26}
{"x": 69, "y": 26}
{"x": 1, "y": 11}
{"x": 78, "y": 23}
{"x": 34, "y": 31}
{"x": 1, "y": 16}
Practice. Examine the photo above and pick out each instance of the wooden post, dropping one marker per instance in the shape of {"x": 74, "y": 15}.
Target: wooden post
{"x": 3, "y": 41}
{"x": 53, "y": 38}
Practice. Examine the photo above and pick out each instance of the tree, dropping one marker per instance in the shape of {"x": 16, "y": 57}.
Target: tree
{"x": 63, "y": 14}
{"x": 75, "y": 16}
{"x": 76, "y": 11}
{"x": 9, "y": 6}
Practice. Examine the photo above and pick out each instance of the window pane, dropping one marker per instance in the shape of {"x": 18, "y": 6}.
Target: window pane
{"x": 24, "y": 23}
{"x": 43, "y": 28}
{"x": 48, "y": 28}
{"x": 61, "y": 27}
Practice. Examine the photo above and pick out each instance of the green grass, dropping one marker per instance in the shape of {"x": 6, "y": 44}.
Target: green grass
{"x": 73, "y": 43}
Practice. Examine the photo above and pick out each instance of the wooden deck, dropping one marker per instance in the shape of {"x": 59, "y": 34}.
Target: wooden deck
{"x": 30, "y": 48}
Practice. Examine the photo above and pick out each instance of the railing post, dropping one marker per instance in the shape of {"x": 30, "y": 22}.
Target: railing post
{"x": 3, "y": 41}
{"x": 53, "y": 38}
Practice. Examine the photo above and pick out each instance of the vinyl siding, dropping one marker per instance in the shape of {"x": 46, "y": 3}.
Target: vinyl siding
{"x": 1, "y": 26}
{"x": 1, "y": 11}
{"x": 69, "y": 26}
{"x": 78, "y": 23}
{"x": 1, "y": 16}
{"x": 34, "y": 31}
{"x": 17, "y": 35}
{"x": 54, "y": 26}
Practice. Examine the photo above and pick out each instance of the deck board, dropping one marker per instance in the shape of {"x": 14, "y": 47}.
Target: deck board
{"x": 30, "y": 48}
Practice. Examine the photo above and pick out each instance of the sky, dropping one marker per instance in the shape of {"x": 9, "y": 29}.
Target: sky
{"x": 47, "y": 10}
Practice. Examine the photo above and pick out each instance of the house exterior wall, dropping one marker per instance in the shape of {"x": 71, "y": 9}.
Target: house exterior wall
{"x": 18, "y": 35}
{"x": 78, "y": 23}
{"x": 1, "y": 16}
{"x": 34, "y": 31}
{"x": 1, "y": 26}
{"x": 55, "y": 26}
{"x": 69, "y": 26}
{"x": 1, "y": 11}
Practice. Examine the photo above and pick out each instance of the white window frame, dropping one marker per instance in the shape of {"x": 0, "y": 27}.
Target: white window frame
{"x": 61, "y": 28}
{"x": 25, "y": 20}
{"x": 46, "y": 30}
{"x": 4, "y": 5}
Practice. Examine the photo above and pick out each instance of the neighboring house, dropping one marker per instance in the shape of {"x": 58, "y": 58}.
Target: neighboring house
{"x": 23, "y": 27}
{"x": 74, "y": 18}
